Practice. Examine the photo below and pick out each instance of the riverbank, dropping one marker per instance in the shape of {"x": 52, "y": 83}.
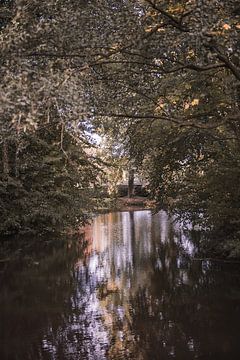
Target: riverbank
{"x": 127, "y": 204}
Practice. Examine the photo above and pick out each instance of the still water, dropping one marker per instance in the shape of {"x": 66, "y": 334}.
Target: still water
{"x": 130, "y": 290}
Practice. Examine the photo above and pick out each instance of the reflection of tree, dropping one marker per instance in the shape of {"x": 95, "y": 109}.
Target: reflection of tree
{"x": 177, "y": 315}
{"x": 169, "y": 310}
{"x": 129, "y": 293}
{"x": 36, "y": 297}
{"x": 132, "y": 235}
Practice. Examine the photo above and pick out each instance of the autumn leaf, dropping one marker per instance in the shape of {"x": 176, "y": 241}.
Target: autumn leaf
{"x": 188, "y": 86}
{"x": 195, "y": 102}
{"x": 190, "y": 54}
{"x": 226, "y": 27}
{"x": 149, "y": 29}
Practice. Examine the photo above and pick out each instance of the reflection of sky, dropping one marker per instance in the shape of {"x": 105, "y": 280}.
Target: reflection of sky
{"x": 119, "y": 238}
{"x": 182, "y": 238}
{"x": 124, "y": 250}
{"x": 129, "y": 291}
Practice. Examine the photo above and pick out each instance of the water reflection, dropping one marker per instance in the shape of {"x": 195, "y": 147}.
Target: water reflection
{"x": 130, "y": 291}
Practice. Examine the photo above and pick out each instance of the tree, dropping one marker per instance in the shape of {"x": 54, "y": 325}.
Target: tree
{"x": 175, "y": 88}
{"x": 165, "y": 74}
{"x": 48, "y": 172}
{"x": 54, "y": 185}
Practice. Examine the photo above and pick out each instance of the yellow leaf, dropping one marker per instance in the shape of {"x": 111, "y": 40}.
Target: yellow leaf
{"x": 149, "y": 28}
{"x": 195, "y": 102}
{"x": 190, "y": 54}
{"x": 115, "y": 46}
{"x": 226, "y": 27}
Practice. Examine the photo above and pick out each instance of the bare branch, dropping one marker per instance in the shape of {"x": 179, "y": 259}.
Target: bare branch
{"x": 225, "y": 59}
{"x": 176, "y": 23}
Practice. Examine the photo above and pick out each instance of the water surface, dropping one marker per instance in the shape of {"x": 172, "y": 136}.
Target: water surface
{"x": 130, "y": 290}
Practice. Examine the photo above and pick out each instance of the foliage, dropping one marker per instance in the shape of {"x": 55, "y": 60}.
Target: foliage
{"x": 53, "y": 187}
{"x": 159, "y": 77}
{"x": 49, "y": 175}
{"x": 176, "y": 94}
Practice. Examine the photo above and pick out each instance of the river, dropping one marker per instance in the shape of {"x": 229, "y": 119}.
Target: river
{"x": 131, "y": 289}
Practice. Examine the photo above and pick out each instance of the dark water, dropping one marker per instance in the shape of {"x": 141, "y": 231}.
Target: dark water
{"x": 129, "y": 291}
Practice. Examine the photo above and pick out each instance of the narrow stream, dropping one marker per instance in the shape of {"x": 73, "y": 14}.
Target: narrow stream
{"x": 130, "y": 290}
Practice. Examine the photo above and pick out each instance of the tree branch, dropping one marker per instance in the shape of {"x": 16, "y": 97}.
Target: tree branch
{"x": 176, "y": 23}
{"x": 181, "y": 122}
{"x": 225, "y": 59}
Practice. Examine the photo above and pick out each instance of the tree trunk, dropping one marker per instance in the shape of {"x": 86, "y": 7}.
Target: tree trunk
{"x": 131, "y": 183}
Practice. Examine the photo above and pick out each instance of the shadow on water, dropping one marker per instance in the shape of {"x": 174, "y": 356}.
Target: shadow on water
{"x": 131, "y": 290}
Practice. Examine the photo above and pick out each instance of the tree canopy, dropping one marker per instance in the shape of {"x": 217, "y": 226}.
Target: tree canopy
{"x": 160, "y": 77}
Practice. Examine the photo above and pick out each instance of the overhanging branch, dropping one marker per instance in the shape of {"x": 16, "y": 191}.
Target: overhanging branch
{"x": 181, "y": 122}
{"x": 176, "y": 23}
